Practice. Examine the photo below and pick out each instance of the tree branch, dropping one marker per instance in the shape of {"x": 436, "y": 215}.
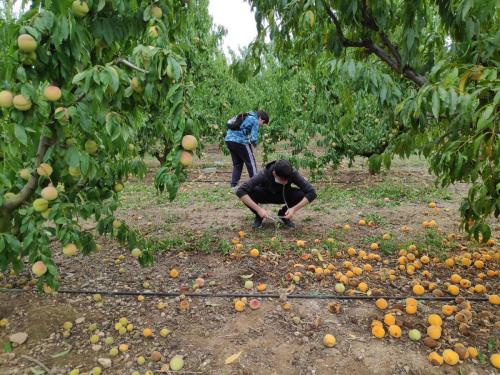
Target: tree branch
{"x": 340, "y": 33}
{"x": 30, "y": 186}
{"x": 393, "y": 59}
{"x": 130, "y": 65}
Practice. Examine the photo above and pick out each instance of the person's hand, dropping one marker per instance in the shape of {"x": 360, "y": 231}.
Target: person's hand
{"x": 289, "y": 213}
{"x": 263, "y": 214}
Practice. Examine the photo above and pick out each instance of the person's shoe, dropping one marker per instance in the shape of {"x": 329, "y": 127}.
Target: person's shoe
{"x": 257, "y": 223}
{"x": 287, "y": 223}
{"x": 234, "y": 188}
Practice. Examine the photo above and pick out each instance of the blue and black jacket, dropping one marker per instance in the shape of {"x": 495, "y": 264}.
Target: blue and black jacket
{"x": 248, "y": 133}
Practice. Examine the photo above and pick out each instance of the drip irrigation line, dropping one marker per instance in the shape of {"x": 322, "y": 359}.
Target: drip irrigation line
{"x": 249, "y": 295}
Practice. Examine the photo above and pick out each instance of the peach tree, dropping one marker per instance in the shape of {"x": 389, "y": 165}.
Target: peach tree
{"x": 79, "y": 81}
{"x": 433, "y": 63}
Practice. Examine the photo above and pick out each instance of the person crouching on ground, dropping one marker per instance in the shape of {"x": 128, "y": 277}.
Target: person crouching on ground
{"x": 273, "y": 185}
{"x": 240, "y": 142}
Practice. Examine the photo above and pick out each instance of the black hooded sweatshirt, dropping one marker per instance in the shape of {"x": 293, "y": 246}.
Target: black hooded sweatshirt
{"x": 265, "y": 179}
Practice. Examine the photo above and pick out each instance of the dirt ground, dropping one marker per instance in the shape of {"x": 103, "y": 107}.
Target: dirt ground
{"x": 195, "y": 233}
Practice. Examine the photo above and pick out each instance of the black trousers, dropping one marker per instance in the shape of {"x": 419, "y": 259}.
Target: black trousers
{"x": 263, "y": 195}
{"x": 241, "y": 154}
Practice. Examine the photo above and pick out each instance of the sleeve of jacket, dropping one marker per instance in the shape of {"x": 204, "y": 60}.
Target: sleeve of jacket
{"x": 254, "y": 136}
{"x": 305, "y": 186}
{"x": 248, "y": 185}
{"x": 247, "y": 125}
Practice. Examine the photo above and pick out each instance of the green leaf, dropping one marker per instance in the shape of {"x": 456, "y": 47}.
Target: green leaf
{"x": 484, "y": 120}
{"x": 21, "y": 134}
{"x": 7, "y": 347}
{"x": 435, "y": 104}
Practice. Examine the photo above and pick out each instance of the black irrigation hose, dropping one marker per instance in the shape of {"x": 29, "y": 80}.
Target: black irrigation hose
{"x": 251, "y": 295}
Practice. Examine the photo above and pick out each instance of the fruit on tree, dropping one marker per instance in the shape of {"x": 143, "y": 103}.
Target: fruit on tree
{"x": 156, "y": 12}
{"x": 40, "y": 204}
{"x": 189, "y": 143}
{"x": 176, "y": 363}
{"x": 52, "y": 93}
{"x": 25, "y": 174}
{"x": 74, "y": 171}
{"x": 153, "y": 32}
{"x": 70, "y": 249}
{"x": 44, "y": 170}
{"x": 91, "y": 146}
{"x": 49, "y": 193}
{"x": 6, "y": 98}
{"x": 136, "y": 85}
{"x": 118, "y": 187}
{"x": 80, "y": 8}
{"x": 26, "y": 43}
{"x": 186, "y": 159}
{"x": 39, "y": 268}
{"x": 22, "y": 103}
{"x": 65, "y": 115}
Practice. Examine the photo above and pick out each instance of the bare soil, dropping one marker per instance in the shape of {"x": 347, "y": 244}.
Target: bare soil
{"x": 194, "y": 234}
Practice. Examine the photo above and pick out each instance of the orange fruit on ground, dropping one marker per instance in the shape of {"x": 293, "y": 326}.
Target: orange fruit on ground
{"x": 254, "y": 253}
{"x": 432, "y": 205}
{"x": 368, "y": 267}
{"x": 174, "y": 273}
{"x": 389, "y": 319}
{"x": 239, "y": 306}
{"x": 261, "y": 287}
{"x": 479, "y": 264}
{"x": 351, "y": 251}
{"x": 425, "y": 259}
{"x": 473, "y": 353}
{"x": 376, "y": 323}
{"x": 147, "y": 332}
{"x": 329, "y": 341}
{"x": 378, "y": 331}
{"x": 286, "y": 306}
{"x": 453, "y": 290}
{"x": 479, "y": 288}
{"x": 435, "y": 320}
{"x": 411, "y": 309}
{"x": 450, "y": 262}
{"x": 301, "y": 243}
{"x": 464, "y": 283}
{"x": 418, "y": 290}
{"x": 450, "y": 357}
{"x": 381, "y": 304}
{"x": 362, "y": 222}
{"x": 374, "y": 246}
{"x": 363, "y": 287}
{"x": 241, "y": 233}
{"x": 434, "y": 332}
{"x": 395, "y": 331}
{"x": 411, "y": 302}
{"x": 123, "y": 347}
{"x": 435, "y": 359}
{"x": 494, "y": 299}
{"x": 495, "y": 360}
{"x": 455, "y": 278}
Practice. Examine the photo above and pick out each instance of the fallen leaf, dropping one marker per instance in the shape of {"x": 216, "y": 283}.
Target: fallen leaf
{"x": 232, "y": 358}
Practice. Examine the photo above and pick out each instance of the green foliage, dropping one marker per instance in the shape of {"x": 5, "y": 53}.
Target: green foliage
{"x": 91, "y": 143}
{"x": 434, "y": 62}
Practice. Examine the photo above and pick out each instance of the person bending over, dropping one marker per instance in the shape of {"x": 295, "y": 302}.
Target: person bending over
{"x": 273, "y": 184}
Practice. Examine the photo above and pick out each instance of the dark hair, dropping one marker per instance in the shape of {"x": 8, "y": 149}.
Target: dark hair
{"x": 283, "y": 169}
{"x": 263, "y": 116}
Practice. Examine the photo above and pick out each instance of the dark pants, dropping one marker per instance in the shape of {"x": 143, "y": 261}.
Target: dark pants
{"x": 263, "y": 195}
{"x": 241, "y": 154}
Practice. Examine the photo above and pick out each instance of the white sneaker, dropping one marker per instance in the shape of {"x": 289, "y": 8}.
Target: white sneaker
{"x": 234, "y": 188}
